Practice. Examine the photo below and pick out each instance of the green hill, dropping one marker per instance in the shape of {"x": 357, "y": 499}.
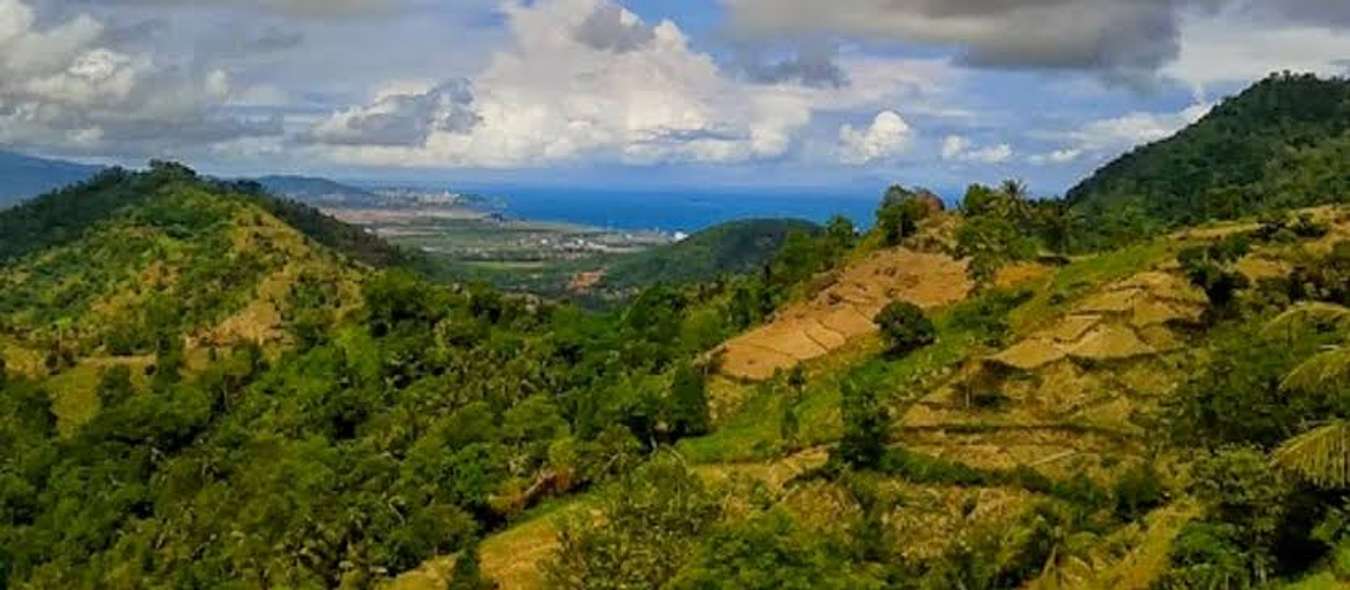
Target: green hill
{"x": 1281, "y": 143}
{"x": 196, "y": 393}
{"x": 734, "y": 247}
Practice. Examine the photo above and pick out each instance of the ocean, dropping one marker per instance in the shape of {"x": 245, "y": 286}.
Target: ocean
{"x": 676, "y": 210}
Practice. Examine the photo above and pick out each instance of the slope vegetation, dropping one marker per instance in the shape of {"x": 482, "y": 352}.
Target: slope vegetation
{"x": 730, "y": 248}
{"x": 1281, "y": 143}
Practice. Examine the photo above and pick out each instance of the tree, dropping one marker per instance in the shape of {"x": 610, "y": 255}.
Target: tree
{"x": 1212, "y": 269}
{"x": 840, "y": 235}
{"x": 1320, "y": 456}
{"x": 866, "y": 422}
{"x": 688, "y": 402}
{"x": 771, "y": 552}
{"x": 4, "y": 372}
{"x": 905, "y": 327}
{"x": 115, "y": 386}
{"x": 647, "y": 528}
{"x": 900, "y": 213}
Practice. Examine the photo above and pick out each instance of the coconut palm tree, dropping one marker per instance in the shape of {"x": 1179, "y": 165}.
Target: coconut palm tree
{"x": 1320, "y": 456}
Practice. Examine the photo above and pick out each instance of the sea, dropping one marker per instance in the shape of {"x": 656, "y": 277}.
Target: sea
{"x": 675, "y": 210}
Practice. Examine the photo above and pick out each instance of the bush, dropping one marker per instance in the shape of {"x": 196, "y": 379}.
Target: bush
{"x": 866, "y": 421}
{"x": 905, "y": 327}
{"x": 1137, "y": 491}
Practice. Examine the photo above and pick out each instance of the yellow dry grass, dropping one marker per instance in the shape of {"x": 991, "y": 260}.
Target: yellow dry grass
{"x": 844, "y": 311}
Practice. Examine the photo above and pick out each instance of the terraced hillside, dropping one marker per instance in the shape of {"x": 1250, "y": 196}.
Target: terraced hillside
{"x": 843, "y": 311}
{"x": 1041, "y": 397}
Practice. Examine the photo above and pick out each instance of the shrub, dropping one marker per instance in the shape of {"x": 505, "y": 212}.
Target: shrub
{"x": 1137, "y": 491}
{"x": 866, "y": 421}
{"x": 905, "y": 327}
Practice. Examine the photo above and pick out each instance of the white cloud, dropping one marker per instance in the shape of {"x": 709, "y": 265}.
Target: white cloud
{"x": 959, "y": 149}
{"x": 61, "y": 89}
{"x": 1063, "y": 156}
{"x": 1133, "y": 129}
{"x": 953, "y": 146}
{"x": 887, "y": 137}
{"x": 1240, "y": 45}
{"x": 586, "y": 79}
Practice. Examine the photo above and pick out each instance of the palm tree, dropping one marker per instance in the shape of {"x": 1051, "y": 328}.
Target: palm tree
{"x": 1324, "y": 373}
{"x": 1304, "y": 316}
{"x": 1320, "y": 456}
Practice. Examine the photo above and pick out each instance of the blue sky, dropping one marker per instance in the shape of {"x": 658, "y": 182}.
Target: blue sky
{"x": 753, "y": 94}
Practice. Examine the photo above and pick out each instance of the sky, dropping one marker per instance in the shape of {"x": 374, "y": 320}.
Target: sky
{"x": 770, "y": 94}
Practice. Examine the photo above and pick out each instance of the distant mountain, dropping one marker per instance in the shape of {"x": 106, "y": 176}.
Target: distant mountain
{"x": 23, "y": 177}
{"x": 1284, "y": 142}
{"x": 317, "y": 191}
{"x": 729, "y": 248}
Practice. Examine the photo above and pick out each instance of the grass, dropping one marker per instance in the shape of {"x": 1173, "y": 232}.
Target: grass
{"x": 1079, "y": 277}
{"x": 753, "y": 433}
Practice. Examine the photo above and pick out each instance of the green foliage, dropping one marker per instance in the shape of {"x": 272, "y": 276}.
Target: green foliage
{"x": 901, "y": 211}
{"x": 769, "y": 552}
{"x": 1236, "y": 398}
{"x": 466, "y": 574}
{"x": 1234, "y": 545}
{"x": 866, "y": 425}
{"x": 1212, "y": 268}
{"x": 1002, "y": 226}
{"x": 689, "y": 402}
{"x": 1324, "y": 278}
{"x": 905, "y": 327}
{"x": 1137, "y": 491}
{"x": 649, "y": 526}
{"x": 1280, "y": 144}
{"x": 730, "y": 248}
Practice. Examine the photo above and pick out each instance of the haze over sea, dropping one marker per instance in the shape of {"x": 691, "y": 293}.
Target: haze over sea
{"x": 683, "y": 209}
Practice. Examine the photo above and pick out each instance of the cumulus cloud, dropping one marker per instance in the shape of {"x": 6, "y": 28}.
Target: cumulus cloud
{"x": 959, "y": 149}
{"x": 62, "y": 89}
{"x": 589, "y": 79}
{"x": 887, "y": 137}
{"x": 402, "y": 119}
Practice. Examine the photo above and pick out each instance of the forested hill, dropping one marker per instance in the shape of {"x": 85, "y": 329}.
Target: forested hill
{"x": 196, "y": 394}
{"x": 23, "y": 176}
{"x": 63, "y": 215}
{"x": 1281, "y": 143}
{"x": 730, "y": 248}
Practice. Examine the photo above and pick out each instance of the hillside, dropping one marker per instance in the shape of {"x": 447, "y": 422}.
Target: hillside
{"x": 195, "y": 393}
{"x": 734, "y": 247}
{"x": 1281, "y": 143}
{"x": 1101, "y": 425}
{"x": 23, "y": 177}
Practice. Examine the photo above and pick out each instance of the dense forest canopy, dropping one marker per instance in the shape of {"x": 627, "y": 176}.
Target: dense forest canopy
{"x": 1281, "y": 143}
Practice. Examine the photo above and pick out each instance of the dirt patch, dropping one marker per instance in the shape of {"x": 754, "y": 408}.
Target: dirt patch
{"x": 844, "y": 311}
{"x": 1111, "y": 343}
{"x": 1071, "y": 328}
